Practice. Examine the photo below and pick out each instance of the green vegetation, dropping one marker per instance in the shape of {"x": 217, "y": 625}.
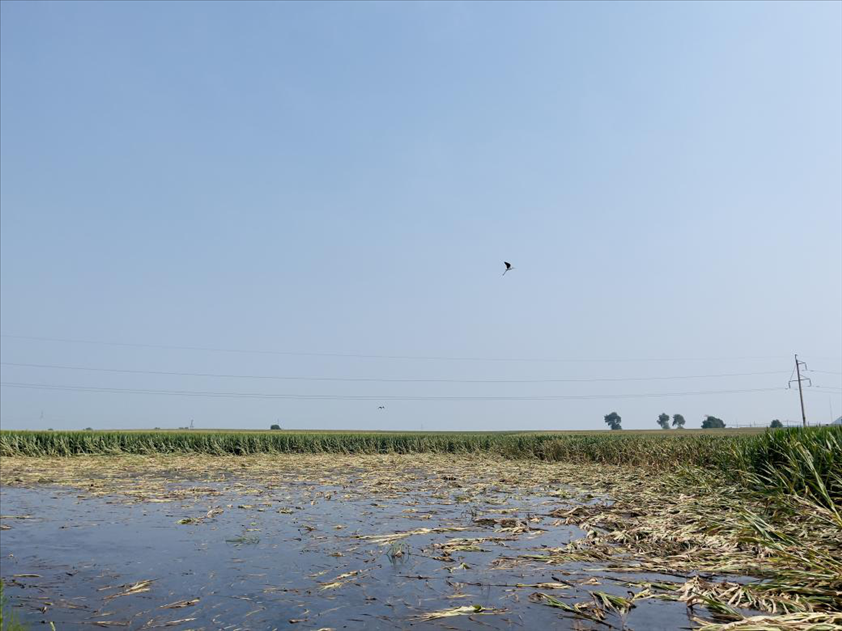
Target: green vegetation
{"x": 711, "y": 422}
{"x": 771, "y": 509}
{"x": 678, "y": 421}
{"x": 797, "y": 462}
{"x": 776, "y": 424}
{"x": 653, "y": 449}
{"x": 613, "y": 420}
{"x": 664, "y": 420}
{"x": 792, "y": 460}
{"x": 8, "y": 619}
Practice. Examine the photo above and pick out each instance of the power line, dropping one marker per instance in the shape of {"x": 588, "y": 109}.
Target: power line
{"x": 374, "y": 356}
{"x": 384, "y": 380}
{"x": 342, "y": 397}
{"x": 824, "y": 391}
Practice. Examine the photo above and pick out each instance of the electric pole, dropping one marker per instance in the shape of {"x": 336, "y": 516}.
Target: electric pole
{"x": 799, "y": 379}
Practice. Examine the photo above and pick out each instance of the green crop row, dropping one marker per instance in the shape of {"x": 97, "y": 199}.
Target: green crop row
{"x": 648, "y": 449}
{"x": 791, "y": 460}
{"x": 803, "y": 462}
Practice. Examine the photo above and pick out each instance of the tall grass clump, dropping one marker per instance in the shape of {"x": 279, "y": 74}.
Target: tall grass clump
{"x": 8, "y": 619}
{"x": 795, "y": 461}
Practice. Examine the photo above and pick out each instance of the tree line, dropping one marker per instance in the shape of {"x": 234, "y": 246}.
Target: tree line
{"x": 614, "y": 421}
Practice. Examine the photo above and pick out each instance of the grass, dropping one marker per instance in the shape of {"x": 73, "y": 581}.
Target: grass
{"x": 799, "y": 464}
{"x": 654, "y": 449}
{"x": 786, "y": 462}
{"x": 8, "y": 618}
{"x": 795, "y": 462}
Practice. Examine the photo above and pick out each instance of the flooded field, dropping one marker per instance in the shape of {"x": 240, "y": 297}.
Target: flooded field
{"x": 311, "y": 542}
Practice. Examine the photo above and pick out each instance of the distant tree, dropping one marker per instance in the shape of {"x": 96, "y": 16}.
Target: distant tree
{"x": 275, "y": 426}
{"x": 89, "y": 429}
{"x": 711, "y": 422}
{"x": 776, "y": 424}
{"x": 664, "y": 421}
{"x": 613, "y": 420}
{"x": 678, "y": 421}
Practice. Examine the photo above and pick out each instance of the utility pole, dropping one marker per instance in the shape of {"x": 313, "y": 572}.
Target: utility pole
{"x": 798, "y": 365}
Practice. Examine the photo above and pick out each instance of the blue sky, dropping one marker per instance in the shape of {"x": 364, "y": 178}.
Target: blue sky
{"x": 347, "y": 179}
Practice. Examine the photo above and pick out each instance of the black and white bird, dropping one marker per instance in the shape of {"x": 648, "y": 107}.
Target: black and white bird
{"x": 508, "y": 267}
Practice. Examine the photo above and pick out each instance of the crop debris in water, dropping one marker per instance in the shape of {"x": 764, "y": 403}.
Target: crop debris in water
{"x": 750, "y": 521}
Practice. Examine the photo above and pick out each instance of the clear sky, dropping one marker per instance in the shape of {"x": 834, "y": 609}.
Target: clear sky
{"x": 347, "y": 179}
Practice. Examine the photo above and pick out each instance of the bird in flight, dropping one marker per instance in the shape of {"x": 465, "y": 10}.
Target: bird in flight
{"x": 508, "y": 267}
{"x": 382, "y": 407}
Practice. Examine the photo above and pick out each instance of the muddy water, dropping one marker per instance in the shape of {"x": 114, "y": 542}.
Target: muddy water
{"x": 282, "y": 558}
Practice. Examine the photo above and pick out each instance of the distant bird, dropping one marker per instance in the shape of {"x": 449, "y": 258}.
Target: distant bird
{"x": 508, "y": 267}
{"x": 382, "y": 407}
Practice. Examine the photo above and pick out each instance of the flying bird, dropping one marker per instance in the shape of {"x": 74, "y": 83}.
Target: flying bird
{"x": 508, "y": 267}
{"x": 382, "y": 407}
